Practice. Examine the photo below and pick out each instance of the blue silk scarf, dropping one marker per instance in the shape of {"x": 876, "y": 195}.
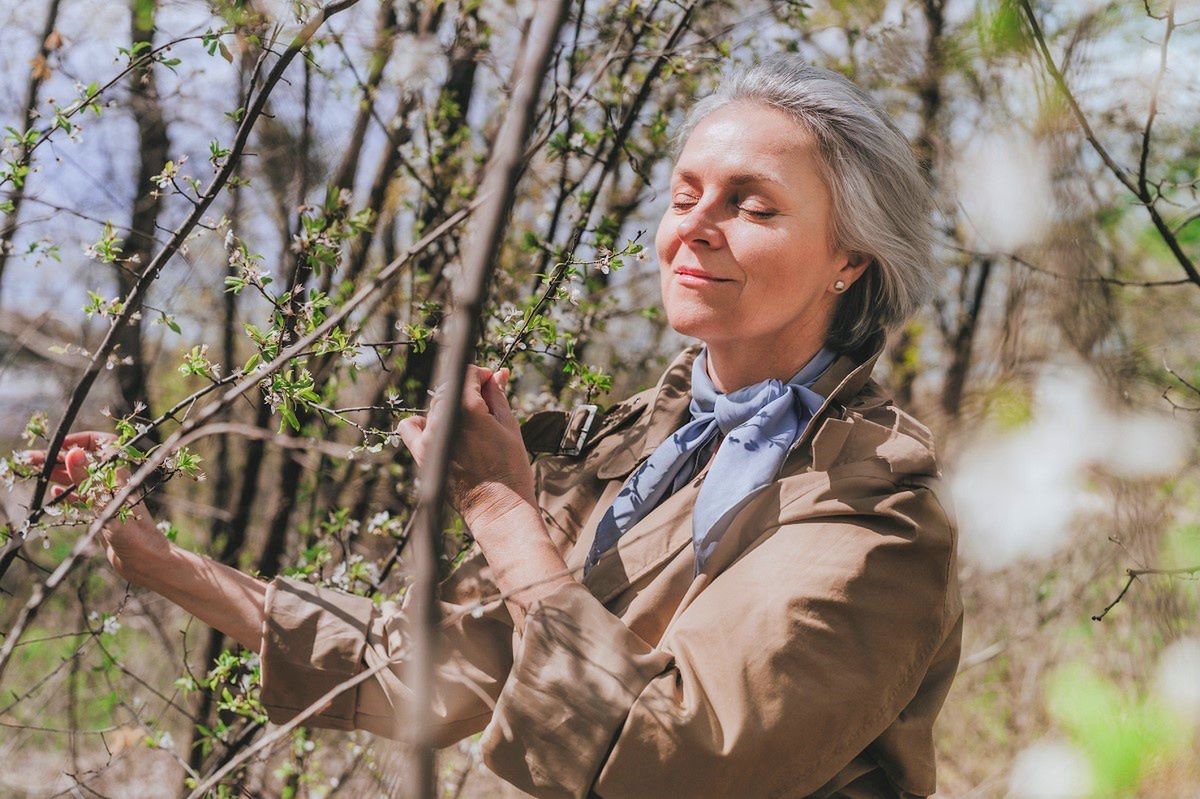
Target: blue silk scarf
{"x": 759, "y": 424}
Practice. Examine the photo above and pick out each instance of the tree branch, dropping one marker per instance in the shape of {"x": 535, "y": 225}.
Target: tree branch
{"x": 1137, "y": 186}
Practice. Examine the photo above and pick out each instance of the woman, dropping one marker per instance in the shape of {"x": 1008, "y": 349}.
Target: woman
{"x": 744, "y": 583}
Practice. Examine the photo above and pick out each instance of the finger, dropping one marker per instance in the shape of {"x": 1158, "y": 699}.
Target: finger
{"x": 472, "y": 385}
{"x": 413, "y": 423}
{"x": 88, "y": 439}
{"x": 472, "y": 397}
{"x": 76, "y": 462}
{"x": 475, "y": 376}
{"x": 478, "y": 374}
{"x": 411, "y": 430}
{"x": 497, "y": 402}
{"x": 58, "y": 491}
{"x": 36, "y": 458}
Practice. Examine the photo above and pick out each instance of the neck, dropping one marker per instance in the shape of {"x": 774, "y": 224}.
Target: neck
{"x": 737, "y": 363}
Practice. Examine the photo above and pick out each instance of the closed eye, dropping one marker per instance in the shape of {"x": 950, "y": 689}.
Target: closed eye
{"x": 758, "y": 214}
{"x": 683, "y": 202}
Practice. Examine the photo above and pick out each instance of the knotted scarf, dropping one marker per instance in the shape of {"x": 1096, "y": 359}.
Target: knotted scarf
{"x": 759, "y": 424}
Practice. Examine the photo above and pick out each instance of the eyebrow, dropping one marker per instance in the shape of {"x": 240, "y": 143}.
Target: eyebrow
{"x": 740, "y": 179}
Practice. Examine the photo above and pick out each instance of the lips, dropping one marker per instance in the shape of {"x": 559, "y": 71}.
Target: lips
{"x": 699, "y": 273}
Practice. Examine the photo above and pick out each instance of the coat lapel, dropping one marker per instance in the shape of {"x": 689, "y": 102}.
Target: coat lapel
{"x": 839, "y": 384}
{"x": 660, "y": 535}
{"x": 667, "y": 529}
{"x": 667, "y": 413}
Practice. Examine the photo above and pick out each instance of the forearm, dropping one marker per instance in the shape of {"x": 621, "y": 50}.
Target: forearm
{"x": 219, "y": 595}
{"x": 525, "y": 564}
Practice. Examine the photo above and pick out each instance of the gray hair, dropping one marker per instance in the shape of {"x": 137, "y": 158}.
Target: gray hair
{"x": 881, "y": 200}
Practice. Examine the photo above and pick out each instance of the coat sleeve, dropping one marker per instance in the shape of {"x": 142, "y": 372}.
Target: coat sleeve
{"x": 776, "y": 676}
{"x": 315, "y": 638}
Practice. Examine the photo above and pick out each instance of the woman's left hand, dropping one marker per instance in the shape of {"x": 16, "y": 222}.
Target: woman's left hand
{"x": 492, "y": 486}
{"x": 490, "y": 473}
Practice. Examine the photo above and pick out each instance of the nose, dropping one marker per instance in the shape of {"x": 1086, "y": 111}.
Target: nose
{"x": 698, "y": 227}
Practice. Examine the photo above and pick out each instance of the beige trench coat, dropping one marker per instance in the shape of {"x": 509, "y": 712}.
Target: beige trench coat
{"x": 809, "y": 658}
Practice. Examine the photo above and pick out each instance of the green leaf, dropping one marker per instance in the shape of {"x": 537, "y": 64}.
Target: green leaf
{"x": 289, "y": 416}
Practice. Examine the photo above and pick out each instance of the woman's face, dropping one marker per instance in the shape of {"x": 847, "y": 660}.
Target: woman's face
{"x": 750, "y": 212}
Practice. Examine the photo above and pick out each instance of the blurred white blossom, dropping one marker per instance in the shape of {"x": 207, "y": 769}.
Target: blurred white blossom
{"x": 1004, "y": 189}
{"x": 1177, "y": 679}
{"x": 1016, "y": 494}
{"x": 1050, "y": 769}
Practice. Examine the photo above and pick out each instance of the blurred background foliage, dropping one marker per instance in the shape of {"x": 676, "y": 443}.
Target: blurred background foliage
{"x": 1057, "y": 365}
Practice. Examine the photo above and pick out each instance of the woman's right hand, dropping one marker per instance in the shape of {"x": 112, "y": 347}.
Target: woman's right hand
{"x": 131, "y": 545}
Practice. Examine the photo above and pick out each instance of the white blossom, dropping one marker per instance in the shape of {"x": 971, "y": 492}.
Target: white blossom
{"x": 1046, "y": 462}
{"x": 1050, "y": 769}
{"x": 1177, "y": 678}
{"x": 1004, "y": 190}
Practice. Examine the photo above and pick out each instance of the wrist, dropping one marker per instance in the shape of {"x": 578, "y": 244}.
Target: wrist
{"x": 150, "y": 567}
{"x": 497, "y": 509}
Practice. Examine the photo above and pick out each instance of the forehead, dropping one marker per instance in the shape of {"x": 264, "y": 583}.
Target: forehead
{"x": 748, "y": 138}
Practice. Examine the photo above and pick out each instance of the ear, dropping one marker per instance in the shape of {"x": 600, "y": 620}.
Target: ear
{"x": 852, "y": 270}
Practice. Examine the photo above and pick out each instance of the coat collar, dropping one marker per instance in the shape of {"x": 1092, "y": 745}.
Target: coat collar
{"x": 668, "y": 405}
{"x": 665, "y": 532}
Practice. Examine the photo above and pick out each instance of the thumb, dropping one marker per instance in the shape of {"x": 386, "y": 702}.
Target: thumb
{"x": 411, "y": 431}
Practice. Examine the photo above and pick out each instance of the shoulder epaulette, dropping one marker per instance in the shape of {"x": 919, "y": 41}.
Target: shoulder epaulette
{"x": 569, "y": 432}
{"x": 559, "y": 432}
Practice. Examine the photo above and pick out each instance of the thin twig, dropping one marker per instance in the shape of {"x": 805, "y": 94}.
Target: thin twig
{"x": 1133, "y": 574}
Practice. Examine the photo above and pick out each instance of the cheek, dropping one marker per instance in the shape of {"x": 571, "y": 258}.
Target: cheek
{"x": 782, "y": 261}
{"x": 662, "y": 240}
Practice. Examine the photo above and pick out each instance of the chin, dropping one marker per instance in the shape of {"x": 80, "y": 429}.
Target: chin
{"x": 699, "y": 323}
{"x": 690, "y": 316}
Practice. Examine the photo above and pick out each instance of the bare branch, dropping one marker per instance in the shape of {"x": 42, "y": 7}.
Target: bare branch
{"x": 1136, "y": 187}
{"x": 133, "y": 301}
{"x": 499, "y": 183}
{"x": 1133, "y": 574}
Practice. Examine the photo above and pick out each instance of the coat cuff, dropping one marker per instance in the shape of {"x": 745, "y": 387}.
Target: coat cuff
{"x": 313, "y": 639}
{"x": 577, "y": 672}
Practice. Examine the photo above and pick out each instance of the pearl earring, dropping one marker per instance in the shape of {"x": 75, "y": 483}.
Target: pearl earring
{"x": 838, "y": 285}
